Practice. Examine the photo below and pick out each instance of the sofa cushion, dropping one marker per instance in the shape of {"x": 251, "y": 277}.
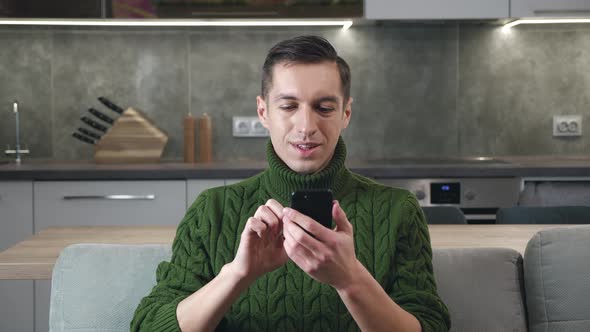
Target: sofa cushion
{"x": 557, "y": 279}
{"x": 482, "y": 287}
{"x": 83, "y": 298}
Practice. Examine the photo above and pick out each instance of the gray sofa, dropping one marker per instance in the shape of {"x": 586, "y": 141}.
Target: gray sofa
{"x": 96, "y": 287}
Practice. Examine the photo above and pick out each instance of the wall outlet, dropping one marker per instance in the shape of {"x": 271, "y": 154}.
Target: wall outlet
{"x": 248, "y": 126}
{"x": 567, "y": 125}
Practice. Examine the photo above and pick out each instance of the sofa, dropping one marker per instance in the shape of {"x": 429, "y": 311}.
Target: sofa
{"x": 96, "y": 287}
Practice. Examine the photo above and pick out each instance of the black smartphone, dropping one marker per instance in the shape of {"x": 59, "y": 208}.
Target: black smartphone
{"x": 314, "y": 203}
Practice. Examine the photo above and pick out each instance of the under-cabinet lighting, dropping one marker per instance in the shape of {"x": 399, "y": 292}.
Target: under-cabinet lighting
{"x": 545, "y": 21}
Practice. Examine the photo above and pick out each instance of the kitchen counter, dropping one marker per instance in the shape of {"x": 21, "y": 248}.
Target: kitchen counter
{"x": 34, "y": 258}
{"x": 535, "y": 166}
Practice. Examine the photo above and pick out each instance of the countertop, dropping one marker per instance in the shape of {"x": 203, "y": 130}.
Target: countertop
{"x": 34, "y": 258}
{"x": 530, "y": 166}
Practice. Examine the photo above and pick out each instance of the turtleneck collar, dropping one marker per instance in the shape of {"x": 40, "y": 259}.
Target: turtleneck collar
{"x": 281, "y": 181}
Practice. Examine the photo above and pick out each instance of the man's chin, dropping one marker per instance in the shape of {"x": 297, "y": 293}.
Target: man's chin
{"x": 305, "y": 167}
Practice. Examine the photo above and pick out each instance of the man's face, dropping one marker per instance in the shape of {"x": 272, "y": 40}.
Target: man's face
{"x": 305, "y": 113}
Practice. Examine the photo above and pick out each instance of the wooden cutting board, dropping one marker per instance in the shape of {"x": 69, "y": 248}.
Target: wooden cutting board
{"x": 133, "y": 138}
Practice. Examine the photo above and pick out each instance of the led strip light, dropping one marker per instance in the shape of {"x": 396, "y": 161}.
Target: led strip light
{"x": 546, "y": 21}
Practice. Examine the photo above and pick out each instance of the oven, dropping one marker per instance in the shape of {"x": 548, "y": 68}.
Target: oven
{"x": 478, "y": 198}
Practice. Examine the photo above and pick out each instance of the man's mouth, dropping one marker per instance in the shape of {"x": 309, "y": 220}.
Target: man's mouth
{"x": 306, "y": 146}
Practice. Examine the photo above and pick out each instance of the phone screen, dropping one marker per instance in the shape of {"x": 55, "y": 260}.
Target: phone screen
{"x": 314, "y": 203}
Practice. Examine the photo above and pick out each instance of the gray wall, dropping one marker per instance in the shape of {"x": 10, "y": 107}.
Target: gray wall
{"x": 419, "y": 89}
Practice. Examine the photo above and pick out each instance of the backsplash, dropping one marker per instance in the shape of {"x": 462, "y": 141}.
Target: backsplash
{"x": 419, "y": 89}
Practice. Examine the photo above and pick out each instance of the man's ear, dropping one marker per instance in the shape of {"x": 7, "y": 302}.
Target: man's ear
{"x": 262, "y": 111}
{"x": 347, "y": 112}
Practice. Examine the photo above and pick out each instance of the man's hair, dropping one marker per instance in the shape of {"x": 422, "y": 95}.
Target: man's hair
{"x": 304, "y": 50}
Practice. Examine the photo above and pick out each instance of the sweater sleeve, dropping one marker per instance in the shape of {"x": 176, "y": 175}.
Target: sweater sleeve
{"x": 414, "y": 287}
{"x": 188, "y": 270}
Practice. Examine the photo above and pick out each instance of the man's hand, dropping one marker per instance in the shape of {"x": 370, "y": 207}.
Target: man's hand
{"x": 329, "y": 257}
{"x": 261, "y": 243}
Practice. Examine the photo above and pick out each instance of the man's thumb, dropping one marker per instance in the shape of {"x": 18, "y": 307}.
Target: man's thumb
{"x": 342, "y": 223}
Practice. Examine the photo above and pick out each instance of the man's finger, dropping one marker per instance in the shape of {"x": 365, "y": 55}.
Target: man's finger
{"x": 300, "y": 236}
{"x": 265, "y": 214}
{"x": 340, "y": 219}
{"x": 296, "y": 252}
{"x": 320, "y": 232}
{"x": 275, "y": 207}
{"x": 255, "y": 225}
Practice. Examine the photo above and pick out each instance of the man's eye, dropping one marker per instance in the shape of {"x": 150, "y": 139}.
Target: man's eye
{"x": 323, "y": 109}
{"x": 287, "y": 107}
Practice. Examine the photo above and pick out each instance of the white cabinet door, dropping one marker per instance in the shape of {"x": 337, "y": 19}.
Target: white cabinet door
{"x": 549, "y": 8}
{"x": 195, "y": 187}
{"x": 108, "y": 203}
{"x": 436, "y": 9}
{"x": 16, "y": 224}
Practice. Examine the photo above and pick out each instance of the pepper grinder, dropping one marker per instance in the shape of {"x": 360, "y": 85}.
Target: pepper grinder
{"x": 205, "y": 153}
{"x": 189, "y": 138}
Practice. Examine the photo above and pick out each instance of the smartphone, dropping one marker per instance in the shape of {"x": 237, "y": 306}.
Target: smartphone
{"x": 314, "y": 203}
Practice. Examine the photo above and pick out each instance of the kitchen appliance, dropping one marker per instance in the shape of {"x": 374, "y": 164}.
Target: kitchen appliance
{"x": 478, "y": 198}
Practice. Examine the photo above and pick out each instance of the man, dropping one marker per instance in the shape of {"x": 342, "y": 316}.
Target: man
{"x": 243, "y": 261}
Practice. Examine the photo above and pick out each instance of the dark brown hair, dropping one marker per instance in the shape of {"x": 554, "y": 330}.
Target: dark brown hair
{"x": 306, "y": 50}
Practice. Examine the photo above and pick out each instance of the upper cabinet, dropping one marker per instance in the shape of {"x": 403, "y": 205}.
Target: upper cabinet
{"x": 181, "y": 9}
{"x": 549, "y": 8}
{"x": 52, "y": 9}
{"x": 436, "y": 9}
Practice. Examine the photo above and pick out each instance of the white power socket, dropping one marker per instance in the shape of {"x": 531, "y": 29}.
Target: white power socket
{"x": 248, "y": 126}
{"x": 567, "y": 125}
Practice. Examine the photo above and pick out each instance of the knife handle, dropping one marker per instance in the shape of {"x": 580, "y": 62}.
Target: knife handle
{"x": 101, "y": 116}
{"x": 83, "y": 138}
{"x": 89, "y": 133}
{"x": 110, "y": 105}
{"x": 94, "y": 124}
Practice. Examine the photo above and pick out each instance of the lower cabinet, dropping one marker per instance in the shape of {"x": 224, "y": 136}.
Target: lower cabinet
{"x": 195, "y": 187}
{"x": 42, "y": 297}
{"x": 16, "y": 224}
{"x": 28, "y": 207}
{"x": 107, "y": 203}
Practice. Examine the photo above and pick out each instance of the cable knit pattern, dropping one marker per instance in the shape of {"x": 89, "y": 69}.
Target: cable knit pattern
{"x": 390, "y": 236}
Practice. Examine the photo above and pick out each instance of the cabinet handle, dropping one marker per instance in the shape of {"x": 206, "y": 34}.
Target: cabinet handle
{"x": 112, "y": 197}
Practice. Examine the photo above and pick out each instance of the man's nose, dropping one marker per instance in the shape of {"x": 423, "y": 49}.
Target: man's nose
{"x": 305, "y": 121}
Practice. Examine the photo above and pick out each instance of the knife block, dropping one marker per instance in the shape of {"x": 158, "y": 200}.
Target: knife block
{"x": 133, "y": 138}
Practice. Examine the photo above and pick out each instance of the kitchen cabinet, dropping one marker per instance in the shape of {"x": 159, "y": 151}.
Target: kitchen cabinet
{"x": 16, "y": 224}
{"x": 436, "y": 9}
{"x": 108, "y": 203}
{"x": 53, "y": 9}
{"x": 101, "y": 203}
{"x": 124, "y": 9}
{"x": 195, "y": 187}
{"x": 549, "y": 8}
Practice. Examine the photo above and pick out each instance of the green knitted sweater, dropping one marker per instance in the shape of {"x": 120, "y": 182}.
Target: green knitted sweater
{"x": 390, "y": 236}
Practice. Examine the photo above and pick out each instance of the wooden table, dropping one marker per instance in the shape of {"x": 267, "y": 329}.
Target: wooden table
{"x": 34, "y": 258}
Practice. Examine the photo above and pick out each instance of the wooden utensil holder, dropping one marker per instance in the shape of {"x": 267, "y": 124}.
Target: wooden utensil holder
{"x": 133, "y": 138}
